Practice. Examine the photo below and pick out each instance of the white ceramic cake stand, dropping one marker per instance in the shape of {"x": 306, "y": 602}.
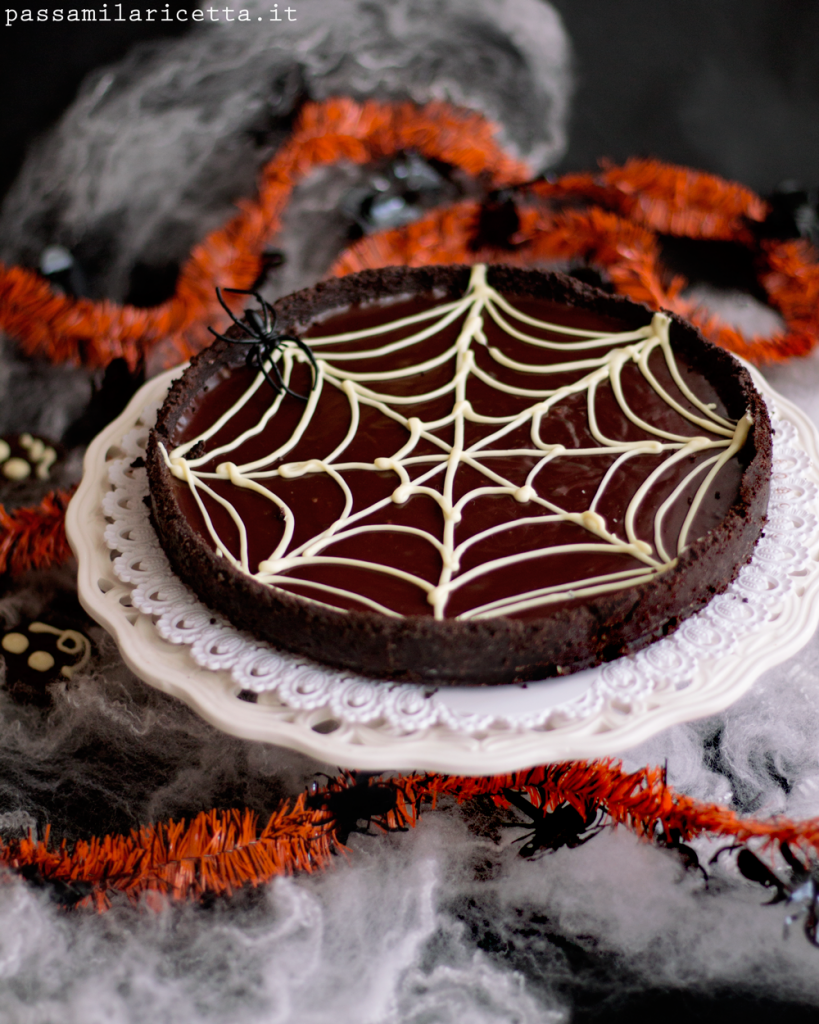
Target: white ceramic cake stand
{"x": 768, "y": 614}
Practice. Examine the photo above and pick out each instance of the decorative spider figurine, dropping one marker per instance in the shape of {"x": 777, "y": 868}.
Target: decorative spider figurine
{"x": 801, "y": 890}
{"x": 671, "y": 840}
{"x": 361, "y": 800}
{"x": 564, "y": 826}
{"x": 260, "y": 327}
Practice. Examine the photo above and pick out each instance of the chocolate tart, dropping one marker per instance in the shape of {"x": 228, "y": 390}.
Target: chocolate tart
{"x": 503, "y": 475}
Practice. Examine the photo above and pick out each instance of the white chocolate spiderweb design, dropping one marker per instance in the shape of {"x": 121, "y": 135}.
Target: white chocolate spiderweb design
{"x": 434, "y": 473}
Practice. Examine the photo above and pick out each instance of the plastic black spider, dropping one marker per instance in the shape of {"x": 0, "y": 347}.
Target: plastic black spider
{"x": 564, "y": 826}
{"x": 362, "y": 801}
{"x": 64, "y": 894}
{"x": 671, "y": 839}
{"x": 800, "y": 891}
{"x": 260, "y": 327}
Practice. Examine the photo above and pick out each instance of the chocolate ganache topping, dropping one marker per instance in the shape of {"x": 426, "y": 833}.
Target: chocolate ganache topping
{"x": 480, "y": 457}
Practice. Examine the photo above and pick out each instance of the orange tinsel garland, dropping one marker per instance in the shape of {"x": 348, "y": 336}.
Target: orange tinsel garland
{"x": 34, "y": 537}
{"x": 93, "y": 333}
{"x": 642, "y": 194}
{"x": 654, "y": 197}
{"x": 665, "y": 198}
{"x": 220, "y": 851}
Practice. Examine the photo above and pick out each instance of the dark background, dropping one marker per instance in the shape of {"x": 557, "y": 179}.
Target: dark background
{"x": 731, "y": 86}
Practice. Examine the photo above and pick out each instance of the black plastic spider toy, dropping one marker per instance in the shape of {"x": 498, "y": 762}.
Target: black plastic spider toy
{"x": 361, "y": 801}
{"x": 260, "y": 327}
{"x": 564, "y": 826}
{"x": 801, "y": 890}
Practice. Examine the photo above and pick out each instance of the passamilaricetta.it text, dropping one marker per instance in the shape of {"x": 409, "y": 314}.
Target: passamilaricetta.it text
{"x": 119, "y": 12}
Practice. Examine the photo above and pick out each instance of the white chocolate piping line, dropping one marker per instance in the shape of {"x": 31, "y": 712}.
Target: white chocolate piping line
{"x": 722, "y": 436}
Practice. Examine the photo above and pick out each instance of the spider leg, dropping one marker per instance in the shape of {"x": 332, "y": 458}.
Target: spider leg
{"x": 580, "y": 842}
{"x": 229, "y": 312}
{"x": 216, "y": 334}
{"x": 278, "y": 384}
{"x": 536, "y": 847}
{"x": 295, "y": 394}
{"x": 519, "y": 800}
{"x": 267, "y": 309}
{"x": 305, "y": 349}
{"x": 811, "y": 923}
{"x": 260, "y": 360}
{"x": 232, "y": 341}
{"x": 245, "y": 291}
{"x": 724, "y": 849}
{"x": 792, "y": 860}
{"x": 275, "y": 367}
{"x": 532, "y": 845}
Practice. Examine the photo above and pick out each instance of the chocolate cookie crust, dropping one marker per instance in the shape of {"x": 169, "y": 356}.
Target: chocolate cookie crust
{"x": 501, "y": 649}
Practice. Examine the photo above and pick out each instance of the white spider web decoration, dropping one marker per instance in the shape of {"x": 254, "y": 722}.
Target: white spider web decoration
{"x": 429, "y": 464}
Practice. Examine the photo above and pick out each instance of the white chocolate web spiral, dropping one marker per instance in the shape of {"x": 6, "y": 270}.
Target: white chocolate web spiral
{"x": 434, "y": 471}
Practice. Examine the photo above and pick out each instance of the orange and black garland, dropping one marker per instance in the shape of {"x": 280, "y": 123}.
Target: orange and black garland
{"x": 219, "y": 852}
{"x": 64, "y": 329}
{"x": 610, "y": 220}
{"x": 34, "y": 537}
{"x": 621, "y": 212}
